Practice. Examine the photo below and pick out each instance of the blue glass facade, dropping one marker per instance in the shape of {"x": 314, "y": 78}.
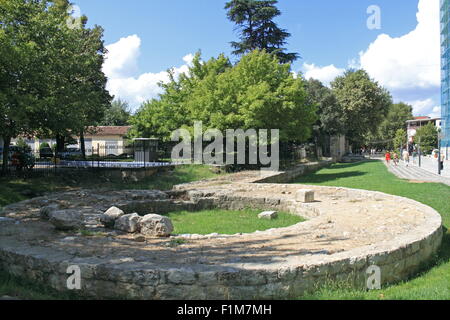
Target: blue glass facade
{"x": 445, "y": 71}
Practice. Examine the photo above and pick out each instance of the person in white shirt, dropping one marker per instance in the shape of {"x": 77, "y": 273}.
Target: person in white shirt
{"x": 406, "y": 157}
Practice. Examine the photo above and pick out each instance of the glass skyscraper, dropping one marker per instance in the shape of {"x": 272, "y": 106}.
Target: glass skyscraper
{"x": 445, "y": 72}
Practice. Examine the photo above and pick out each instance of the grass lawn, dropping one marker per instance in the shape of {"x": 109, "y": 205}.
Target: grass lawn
{"x": 227, "y": 222}
{"x": 432, "y": 283}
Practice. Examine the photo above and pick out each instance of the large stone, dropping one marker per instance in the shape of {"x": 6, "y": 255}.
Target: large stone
{"x": 66, "y": 219}
{"x": 45, "y": 211}
{"x": 114, "y": 212}
{"x": 154, "y": 225}
{"x": 305, "y": 196}
{"x": 110, "y": 216}
{"x": 128, "y": 223}
{"x": 270, "y": 215}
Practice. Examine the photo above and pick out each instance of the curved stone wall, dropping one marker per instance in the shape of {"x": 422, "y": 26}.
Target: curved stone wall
{"x": 347, "y": 231}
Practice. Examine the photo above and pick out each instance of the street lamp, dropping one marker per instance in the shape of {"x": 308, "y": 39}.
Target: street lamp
{"x": 439, "y": 152}
{"x": 420, "y": 153}
{"x": 316, "y": 129}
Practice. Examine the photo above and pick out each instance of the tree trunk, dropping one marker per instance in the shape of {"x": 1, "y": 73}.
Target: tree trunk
{"x": 82, "y": 145}
{"x": 60, "y": 143}
{"x": 6, "y": 143}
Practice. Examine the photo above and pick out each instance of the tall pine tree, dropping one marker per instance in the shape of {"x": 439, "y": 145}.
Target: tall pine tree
{"x": 254, "y": 19}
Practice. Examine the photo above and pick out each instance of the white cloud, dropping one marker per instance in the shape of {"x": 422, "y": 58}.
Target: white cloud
{"x": 427, "y": 107}
{"x": 121, "y": 65}
{"x": 409, "y": 61}
{"x": 325, "y": 74}
{"x": 408, "y": 66}
{"x": 436, "y": 113}
{"x": 122, "y": 56}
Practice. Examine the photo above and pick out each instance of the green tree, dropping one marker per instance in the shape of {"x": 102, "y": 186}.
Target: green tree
{"x": 330, "y": 114}
{"x": 18, "y": 57}
{"x": 117, "y": 115}
{"x": 255, "y": 22}
{"x": 160, "y": 117}
{"x": 23, "y": 145}
{"x": 51, "y": 80}
{"x": 395, "y": 120}
{"x": 400, "y": 139}
{"x": 427, "y": 138}
{"x": 364, "y": 102}
{"x": 256, "y": 93}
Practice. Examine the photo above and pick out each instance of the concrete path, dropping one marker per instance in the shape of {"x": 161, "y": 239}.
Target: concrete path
{"x": 413, "y": 172}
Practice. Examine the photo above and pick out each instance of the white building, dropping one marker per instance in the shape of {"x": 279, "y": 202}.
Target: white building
{"x": 418, "y": 122}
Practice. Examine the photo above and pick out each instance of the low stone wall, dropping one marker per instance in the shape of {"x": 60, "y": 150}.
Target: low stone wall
{"x": 297, "y": 171}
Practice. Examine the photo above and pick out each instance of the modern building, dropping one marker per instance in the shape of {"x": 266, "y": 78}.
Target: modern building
{"x": 414, "y": 124}
{"x": 445, "y": 73}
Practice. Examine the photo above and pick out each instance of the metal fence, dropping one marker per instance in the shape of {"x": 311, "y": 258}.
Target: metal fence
{"x": 139, "y": 156}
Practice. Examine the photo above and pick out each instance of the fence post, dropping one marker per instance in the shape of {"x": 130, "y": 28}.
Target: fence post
{"x": 98, "y": 155}
{"x": 145, "y": 154}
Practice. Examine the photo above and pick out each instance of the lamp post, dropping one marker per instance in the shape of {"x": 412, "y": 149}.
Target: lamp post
{"x": 420, "y": 154}
{"x": 439, "y": 152}
{"x": 316, "y": 129}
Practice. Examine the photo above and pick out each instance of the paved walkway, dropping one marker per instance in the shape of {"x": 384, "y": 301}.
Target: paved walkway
{"x": 413, "y": 172}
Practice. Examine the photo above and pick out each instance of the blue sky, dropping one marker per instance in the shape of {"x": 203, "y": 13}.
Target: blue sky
{"x": 330, "y": 36}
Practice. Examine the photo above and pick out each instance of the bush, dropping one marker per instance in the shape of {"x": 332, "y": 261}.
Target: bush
{"x": 44, "y": 145}
{"x": 23, "y": 145}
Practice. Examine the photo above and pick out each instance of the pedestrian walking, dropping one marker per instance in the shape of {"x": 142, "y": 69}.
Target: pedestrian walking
{"x": 414, "y": 155}
{"x": 388, "y": 157}
{"x": 406, "y": 157}
{"x": 396, "y": 159}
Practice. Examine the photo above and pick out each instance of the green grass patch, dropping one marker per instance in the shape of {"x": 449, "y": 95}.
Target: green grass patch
{"x": 227, "y": 221}
{"x": 434, "y": 281}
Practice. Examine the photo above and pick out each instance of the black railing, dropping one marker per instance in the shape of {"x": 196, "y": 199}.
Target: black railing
{"x": 25, "y": 162}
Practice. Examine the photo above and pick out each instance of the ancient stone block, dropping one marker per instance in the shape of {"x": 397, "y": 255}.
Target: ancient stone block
{"x": 66, "y": 219}
{"x": 110, "y": 216}
{"x": 128, "y": 223}
{"x": 305, "y": 196}
{"x": 270, "y": 215}
{"x": 154, "y": 225}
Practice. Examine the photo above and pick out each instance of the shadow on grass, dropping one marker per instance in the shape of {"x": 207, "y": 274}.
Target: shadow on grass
{"x": 327, "y": 177}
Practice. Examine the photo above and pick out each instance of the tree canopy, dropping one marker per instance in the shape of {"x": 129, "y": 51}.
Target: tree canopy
{"x": 394, "y": 121}
{"x": 331, "y": 117}
{"x": 117, "y": 115}
{"x": 257, "y": 93}
{"x": 51, "y": 79}
{"x": 364, "y": 102}
{"x": 257, "y": 29}
{"x": 427, "y": 138}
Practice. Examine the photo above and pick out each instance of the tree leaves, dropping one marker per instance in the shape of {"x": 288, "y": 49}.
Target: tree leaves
{"x": 257, "y": 93}
{"x": 254, "y": 20}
